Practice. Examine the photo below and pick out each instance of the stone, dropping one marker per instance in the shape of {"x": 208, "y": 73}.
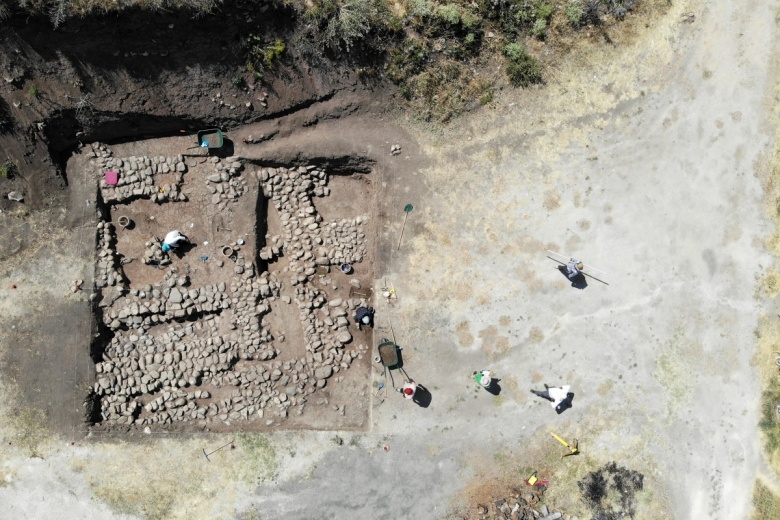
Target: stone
{"x": 344, "y": 336}
{"x": 336, "y": 302}
{"x": 323, "y": 372}
{"x": 175, "y": 296}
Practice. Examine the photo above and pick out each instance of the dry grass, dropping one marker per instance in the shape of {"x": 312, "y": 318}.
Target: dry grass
{"x": 30, "y": 432}
{"x": 675, "y": 370}
{"x": 768, "y": 332}
{"x": 536, "y": 335}
{"x": 766, "y": 503}
{"x": 60, "y": 10}
{"x": 510, "y": 470}
{"x": 170, "y": 479}
{"x": 463, "y": 331}
{"x": 606, "y": 387}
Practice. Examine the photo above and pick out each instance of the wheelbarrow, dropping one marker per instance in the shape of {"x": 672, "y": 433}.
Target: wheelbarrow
{"x": 211, "y": 139}
{"x": 388, "y": 355}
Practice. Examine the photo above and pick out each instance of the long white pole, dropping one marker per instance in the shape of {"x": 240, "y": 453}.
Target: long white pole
{"x": 564, "y": 256}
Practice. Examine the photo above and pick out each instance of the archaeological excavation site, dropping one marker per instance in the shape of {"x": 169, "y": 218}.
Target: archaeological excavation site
{"x": 249, "y": 324}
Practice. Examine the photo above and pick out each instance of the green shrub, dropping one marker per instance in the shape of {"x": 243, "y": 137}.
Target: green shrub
{"x": 448, "y": 13}
{"x": 514, "y": 51}
{"x": 469, "y": 20}
{"x": 32, "y": 90}
{"x": 421, "y": 8}
{"x": 575, "y": 13}
{"x": 407, "y": 61}
{"x": 353, "y": 20}
{"x": 523, "y": 17}
{"x": 262, "y": 56}
{"x": 522, "y": 69}
{"x": 768, "y": 422}
{"x": 487, "y": 97}
{"x": 7, "y": 170}
{"x": 540, "y": 28}
{"x": 544, "y": 11}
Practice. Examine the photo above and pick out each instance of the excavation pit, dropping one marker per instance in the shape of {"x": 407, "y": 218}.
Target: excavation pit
{"x": 248, "y": 326}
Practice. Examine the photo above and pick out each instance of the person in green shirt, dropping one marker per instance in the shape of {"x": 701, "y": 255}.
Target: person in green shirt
{"x": 483, "y": 378}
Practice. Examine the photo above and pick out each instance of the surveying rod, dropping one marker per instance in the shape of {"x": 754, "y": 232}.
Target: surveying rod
{"x": 586, "y": 265}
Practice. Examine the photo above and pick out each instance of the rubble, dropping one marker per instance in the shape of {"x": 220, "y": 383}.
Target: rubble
{"x": 177, "y": 353}
{"x": 520, "y": 505}
{"x": 137, "y": 177}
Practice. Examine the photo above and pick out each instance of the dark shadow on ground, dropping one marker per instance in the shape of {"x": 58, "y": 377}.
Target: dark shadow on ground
{"x": 565, "y": 404}
{"x": 422, "y": 396}
{"x": 184, "y": 249}
{"x": 494, "y": 387}
{"x": 578, "y": 282}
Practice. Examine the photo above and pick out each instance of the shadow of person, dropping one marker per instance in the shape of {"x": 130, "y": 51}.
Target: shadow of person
{"x": 422, "y": 397}
{"x": 565, "y": 404}
{"x": 494, "y": 387}
{"x": 184, "y": 248}
{"x": 578, "y": 282}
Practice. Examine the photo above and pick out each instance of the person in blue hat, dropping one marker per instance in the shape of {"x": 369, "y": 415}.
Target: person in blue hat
{"x": 173, "y": 240}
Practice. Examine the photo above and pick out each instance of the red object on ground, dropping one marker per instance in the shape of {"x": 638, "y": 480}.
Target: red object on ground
{"x": 112, "y": 178}
{"x": 408, "y": 391}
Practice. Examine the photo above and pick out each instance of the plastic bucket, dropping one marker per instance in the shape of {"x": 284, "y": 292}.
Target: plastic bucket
{"x": 124, "y": 221}
{"x": 227, "y": 251}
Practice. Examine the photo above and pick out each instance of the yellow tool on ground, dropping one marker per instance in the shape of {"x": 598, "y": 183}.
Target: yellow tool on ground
{"x": 533, "y": 479}
{"x": 573, "y": 450}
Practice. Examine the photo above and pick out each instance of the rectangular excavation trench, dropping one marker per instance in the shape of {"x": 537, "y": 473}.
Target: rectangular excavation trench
{"x": 206, "y": 340}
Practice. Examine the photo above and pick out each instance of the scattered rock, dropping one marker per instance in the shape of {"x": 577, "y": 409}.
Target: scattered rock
{"x": 323, "y": 372}
{"x": 174, "y": 296}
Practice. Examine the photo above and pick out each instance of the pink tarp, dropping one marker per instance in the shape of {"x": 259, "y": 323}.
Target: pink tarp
{"x": 112, "y": 178}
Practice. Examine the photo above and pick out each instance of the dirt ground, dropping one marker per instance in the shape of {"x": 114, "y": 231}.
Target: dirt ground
{"x": 643, "y": 158}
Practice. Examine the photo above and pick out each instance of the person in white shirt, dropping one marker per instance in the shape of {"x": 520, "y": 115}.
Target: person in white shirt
{"x": 574, "y": 268}
{"x": 559, "y": 396}
{"x": 173, "y": 240}
{"x": 409, "y": 389}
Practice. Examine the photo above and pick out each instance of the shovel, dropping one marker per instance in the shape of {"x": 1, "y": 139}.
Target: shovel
{"x": 407, "y": 209}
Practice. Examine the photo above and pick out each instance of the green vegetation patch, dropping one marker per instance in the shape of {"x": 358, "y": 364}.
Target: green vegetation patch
{"x": 32, "y": 91}
{"x": 343, "y": 24}
{"x": 769, "y": 424}
{"x": 262, "y": 56}
{"x": 7, "y": 170}
{"x": 522, "y": 69}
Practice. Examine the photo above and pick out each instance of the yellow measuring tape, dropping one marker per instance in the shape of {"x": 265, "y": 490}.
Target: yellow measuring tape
{"x": 573, "y": 450}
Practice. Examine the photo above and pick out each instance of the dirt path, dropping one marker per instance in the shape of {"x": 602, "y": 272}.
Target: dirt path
{"x": 657, "y": 184}
{"x": 646, "y": 165}
{"x": 659, "y": 188}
